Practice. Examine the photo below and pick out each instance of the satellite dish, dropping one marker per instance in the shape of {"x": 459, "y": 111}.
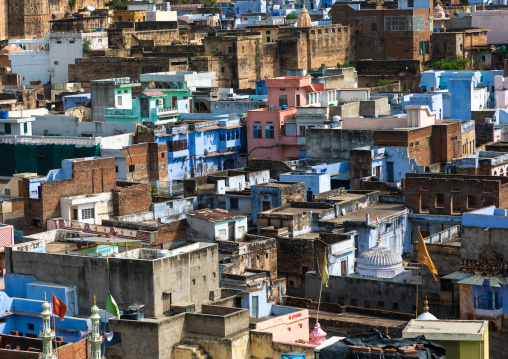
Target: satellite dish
{"x": 90, "y": 8}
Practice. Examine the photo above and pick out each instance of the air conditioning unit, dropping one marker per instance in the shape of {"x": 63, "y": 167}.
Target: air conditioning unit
{"x": 160, "y": 102}
{"x": 271, "y": 108}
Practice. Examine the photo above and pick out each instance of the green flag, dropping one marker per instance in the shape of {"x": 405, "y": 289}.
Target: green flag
{"x": 111, "y": 306}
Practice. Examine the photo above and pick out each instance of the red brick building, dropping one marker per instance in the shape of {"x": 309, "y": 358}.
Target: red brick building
{"x": 19, "y": 347}
{"x": 438, "y": 193}
{"x": 82, "y": 177}
{"x": 427, "y": 145}
{"x": 386, "y": 33}
{"x": 147, "y": 162}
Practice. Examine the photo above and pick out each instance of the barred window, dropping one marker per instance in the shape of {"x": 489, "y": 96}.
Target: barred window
{"x": 88, "y": 213}
{"x": 404, "y": 23}
{"x": 290, "y": 129}
{"x": 178, "y": 145}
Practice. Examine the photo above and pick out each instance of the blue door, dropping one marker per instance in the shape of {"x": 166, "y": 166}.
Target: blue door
{"x": 255, "y": 307}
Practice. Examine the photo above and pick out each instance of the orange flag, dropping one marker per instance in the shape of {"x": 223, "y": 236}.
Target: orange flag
{"x": 423, "y": 256}
{"x": 59, "y": 307}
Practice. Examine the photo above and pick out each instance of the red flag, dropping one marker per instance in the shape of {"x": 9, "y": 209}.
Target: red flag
{"x": 59, "y": 307}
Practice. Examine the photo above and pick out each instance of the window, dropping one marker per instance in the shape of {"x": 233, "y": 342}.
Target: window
{"x": 88, "y": 213}
{"x": 283, "y": 100}
{"x": 125, "y": 91}
{"x": 119, "y": 92}
{"x": 163, "y": 155}
{"x": 36, "y": 222}
{"x": 132, "y": 168}
{"x": 290, "y": 129}
{"x": 471, "y": 202}
{"x": 119, "y": 100}
{"x": 178, "y": 145}
{"x": 291, "y": 284}
{"x": 404, "y": 23}
{"x": 426, "y": 47}
{"x": 7, "y": 127}
{"x": 367, "y": 304}
{"x": 353, "y": 302}
{"x": 381, "y": 304}
{"x": 410, "y": 3}
{"x": 302, "y": 130}
{"x": 257, "y": 132}
{"x": 116, "y": 169}
{"x": 395, "y": 306}
{"x": 204, "y": 278}
{"x": 193, "y": 281}
{"x": 269, "y": 131}
{"x": 7, "y": 192}
{"x": 446, "y": 285}
{"x": 31, "y": 327}
{"x": 233, "y": 203}
{"x": 25, "y": 128}
{"x": 489, "y": 201}
{"x": 439, "y": 200}
{"x": 374, "y": 26}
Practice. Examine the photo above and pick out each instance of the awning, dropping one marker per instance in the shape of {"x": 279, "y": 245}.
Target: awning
{"x": 480, "y": 279}
{"x": 459, "y": 275}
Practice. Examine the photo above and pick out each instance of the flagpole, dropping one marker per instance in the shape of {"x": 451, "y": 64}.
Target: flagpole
{"x": 319, "y": 302}
{"x": 417, "y": 265}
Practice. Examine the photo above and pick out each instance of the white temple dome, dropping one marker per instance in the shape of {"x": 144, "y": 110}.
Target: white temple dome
{"x": 379, "y": 256}
{"x": 379, "y": 262}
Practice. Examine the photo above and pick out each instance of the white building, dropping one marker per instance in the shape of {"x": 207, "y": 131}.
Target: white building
{"x": 17, "y": 126}
{"x": 41, "y": 61}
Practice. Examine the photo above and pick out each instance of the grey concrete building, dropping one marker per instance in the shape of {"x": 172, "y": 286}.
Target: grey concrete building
{"x": 156, "y": 279}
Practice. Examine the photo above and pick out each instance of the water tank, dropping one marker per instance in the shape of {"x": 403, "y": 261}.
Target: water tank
{"x": 4, "y": 115}
{"x": 284, "y": 108}
{"x": 276, "y": 13}
{"x": 293, "y": 356}
{"x": 503, "y": 48}
{"x": 436, "y": 30}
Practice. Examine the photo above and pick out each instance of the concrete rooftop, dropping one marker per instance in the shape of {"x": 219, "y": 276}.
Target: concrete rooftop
{"x": 382, "y": 210}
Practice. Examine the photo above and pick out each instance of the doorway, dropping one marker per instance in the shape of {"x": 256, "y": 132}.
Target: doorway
{"x": 266, "y": 206}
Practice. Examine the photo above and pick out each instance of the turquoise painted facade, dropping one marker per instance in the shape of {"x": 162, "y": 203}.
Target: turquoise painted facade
{"x": 153, "y": 105}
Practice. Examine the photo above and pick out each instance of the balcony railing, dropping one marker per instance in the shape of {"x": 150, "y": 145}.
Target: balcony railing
{"x": 483, "y": 303}
{"x": 488, "y": 308}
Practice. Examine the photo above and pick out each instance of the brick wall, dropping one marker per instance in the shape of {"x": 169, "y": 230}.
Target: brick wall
{"x": 293, "y": 193}
{"x": 174, "y": 231}
{"x": 147, "y": 162}
{"x": 360, "y": 164}
{"x": 93, "y": 176}
{"x": 453, "y": 194}
{"x": 484, "y": 131}
{"x": 86, "y": 70}
{"x": 131, "y": 198}
{"x": 372, "y": 42}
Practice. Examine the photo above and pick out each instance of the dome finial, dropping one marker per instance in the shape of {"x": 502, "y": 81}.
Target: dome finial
{"x": 94, "y": 301}
{"x": 45, "y": 296}
{"x": 425, "y": 305}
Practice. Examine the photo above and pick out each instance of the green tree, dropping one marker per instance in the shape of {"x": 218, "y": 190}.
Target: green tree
{"x": 117, "y": 5}
{"x": 292, "y": 16}
{"x": 210, "y": 3}
{"x": 87, "y": 44}
{"x": 452, "y": 63}
{"x": 72, "y": 3}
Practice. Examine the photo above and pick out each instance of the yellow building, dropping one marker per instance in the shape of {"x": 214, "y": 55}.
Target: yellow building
{"x": 130, "y": 16}
{"x": 463, "y": 339}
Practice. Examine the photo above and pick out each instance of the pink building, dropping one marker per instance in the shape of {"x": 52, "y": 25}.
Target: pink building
{"x": 266, "y": 135}
{"x": 287, "y": 328}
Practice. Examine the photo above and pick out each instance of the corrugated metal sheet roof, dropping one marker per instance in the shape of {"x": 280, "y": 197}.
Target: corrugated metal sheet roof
{"x": 458, "y": 275}
{"x": 153, "y": 93}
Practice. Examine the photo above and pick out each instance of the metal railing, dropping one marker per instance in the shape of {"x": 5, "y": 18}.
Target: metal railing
{"x": 491, "y": 304}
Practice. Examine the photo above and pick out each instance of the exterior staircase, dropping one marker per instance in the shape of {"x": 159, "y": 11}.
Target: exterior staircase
{"x": 189, "y": 351}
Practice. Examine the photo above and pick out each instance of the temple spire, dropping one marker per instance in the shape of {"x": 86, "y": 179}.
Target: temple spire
{"x": 46, "y": 334}
{"x": 95, "y": 338}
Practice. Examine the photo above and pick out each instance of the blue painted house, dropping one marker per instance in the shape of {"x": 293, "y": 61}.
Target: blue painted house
{"x": 433, "y": 100}
{"x": 22, "y": 299}
{"x": 197, "y": 147}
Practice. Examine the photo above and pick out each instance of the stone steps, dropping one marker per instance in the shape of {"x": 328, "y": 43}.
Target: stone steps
{"x": 189, "y": 351}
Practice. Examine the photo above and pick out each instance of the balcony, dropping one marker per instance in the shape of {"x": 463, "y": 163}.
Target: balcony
{"x": 488, "y": 308}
